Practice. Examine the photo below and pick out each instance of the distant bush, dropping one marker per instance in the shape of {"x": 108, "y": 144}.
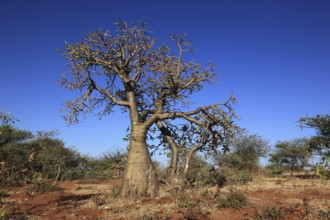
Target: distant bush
{"x": 293, "y": 154}
{"x": 237, "y": 177}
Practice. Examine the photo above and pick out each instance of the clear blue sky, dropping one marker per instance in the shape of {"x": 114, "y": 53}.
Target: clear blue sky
{"x": 273, "y": 54}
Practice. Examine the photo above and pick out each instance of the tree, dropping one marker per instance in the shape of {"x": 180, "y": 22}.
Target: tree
{"x": 293, "y": 154}
{"x": 152, "y": 83}
{"x": 14, "y": 154}
{"x": 184, "y": 140}
{"x": 7, "y": 118}
{"x": 321, "y": 141}
{"x": 245, "y": 153}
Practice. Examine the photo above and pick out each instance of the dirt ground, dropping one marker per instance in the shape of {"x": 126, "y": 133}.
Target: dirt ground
{"x": 268, "y": 198}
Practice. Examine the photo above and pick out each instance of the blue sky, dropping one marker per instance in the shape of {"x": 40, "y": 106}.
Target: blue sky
{"x": 273, "y": 54}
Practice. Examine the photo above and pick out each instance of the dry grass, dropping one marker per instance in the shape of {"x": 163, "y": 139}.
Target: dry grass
{"x": 291, "y": 197}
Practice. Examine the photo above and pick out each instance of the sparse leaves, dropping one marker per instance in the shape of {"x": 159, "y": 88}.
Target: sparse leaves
{"x": 153, "y": 83}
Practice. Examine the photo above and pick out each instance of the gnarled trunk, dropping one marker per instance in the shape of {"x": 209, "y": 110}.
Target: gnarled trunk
{"x": 140, "y": 179}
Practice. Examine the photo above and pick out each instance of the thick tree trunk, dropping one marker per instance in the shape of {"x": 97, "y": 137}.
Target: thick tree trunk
{"x": 140, "y": 179}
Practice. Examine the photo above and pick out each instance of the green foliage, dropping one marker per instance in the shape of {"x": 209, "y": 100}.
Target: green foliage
{"x": 245, "y": 153}
{"x": 22, "y": 156}
{"x": 323, "y": 172}
{"x": 57, "y": 161}
{"x": 321, "y": 124}
{"x": 203, "y": 174}
{"x": 271, "y": 213}
{"x": 293, "y": 154}
{"x": 233, "y": 199}
{"x": 11, "y": 136}
{"x": 110, "y": 165}
{"x": 242, "y": 161}
{"x": 15, "y": 154}
{"x": 321, "y": 141}
{"x": 237, "y": 177}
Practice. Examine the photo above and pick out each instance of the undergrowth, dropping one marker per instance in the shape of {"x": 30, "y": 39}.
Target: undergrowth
{"x": 233, "y": 199}
{"x": 42, "y": 187}
{"x": 271, "y": 213}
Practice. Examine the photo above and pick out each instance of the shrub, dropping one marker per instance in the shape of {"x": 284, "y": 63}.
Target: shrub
{"x": 234, "y": 176}
{"x": 14, "y": 155}
{"x": 271, "y": 213}
{"x": 233, "y": 199}
{"x": 203, "y": 174}
{"x": 110, "y": 165}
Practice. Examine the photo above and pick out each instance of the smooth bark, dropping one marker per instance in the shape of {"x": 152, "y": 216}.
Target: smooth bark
{"x": 140, "y": 179}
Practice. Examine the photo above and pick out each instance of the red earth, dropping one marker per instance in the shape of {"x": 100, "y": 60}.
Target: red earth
{"x": 268, "y": 198}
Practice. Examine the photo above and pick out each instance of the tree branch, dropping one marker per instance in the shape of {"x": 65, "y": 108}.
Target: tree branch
{"x": 111, "y": 97}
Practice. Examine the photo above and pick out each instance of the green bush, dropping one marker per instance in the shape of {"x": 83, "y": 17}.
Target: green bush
{"x": 58, "y": 162}
{"x": 22, "y": 156}
{"x": 233, "y": 199}
{"x": 110, "y": 165}
{"x": 202, "y": 174}
{"x": 234, "y": 176}
{"x": 15, "y": 152}
{"x": 244, "y": 153}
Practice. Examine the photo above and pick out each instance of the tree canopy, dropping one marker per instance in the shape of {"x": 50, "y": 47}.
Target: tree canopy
{"x": 293, "y": 154}
{"x": 321, "y": 124}
{"x": 245, "y": 152}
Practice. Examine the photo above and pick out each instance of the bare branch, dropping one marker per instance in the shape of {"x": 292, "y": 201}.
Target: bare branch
{"x": 111, "y": 97}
